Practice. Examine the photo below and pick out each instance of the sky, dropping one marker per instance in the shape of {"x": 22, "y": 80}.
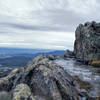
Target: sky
{"x": 45, "y": 24}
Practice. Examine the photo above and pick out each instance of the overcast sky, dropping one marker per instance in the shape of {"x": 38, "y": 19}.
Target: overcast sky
{"x": 48, "y": 24}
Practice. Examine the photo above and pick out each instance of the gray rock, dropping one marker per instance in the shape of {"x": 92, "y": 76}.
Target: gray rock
{"x": 4, "y": 71}
{"x": 69, "y": 54}
{"x": 7, "y": 82}
{"x": 87, "y": 43}
{"x": 5, "y": 96}
{"x": 22, "y": 92}
{"x": 44, "y": 79}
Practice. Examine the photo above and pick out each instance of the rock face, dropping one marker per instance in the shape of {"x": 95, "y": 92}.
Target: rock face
{"x": 87, "y": 43}
{"x": 42, "y": 79}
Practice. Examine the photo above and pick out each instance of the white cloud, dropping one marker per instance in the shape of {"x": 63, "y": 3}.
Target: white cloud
{"x": 49, "y": 40}
{"x": 44, "y": 23}
{"x": 83, "y": 6}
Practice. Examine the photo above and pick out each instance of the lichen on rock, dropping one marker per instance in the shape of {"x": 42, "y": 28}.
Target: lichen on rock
{"x": 87, "y": 43}
{"x": 22, "y": 92}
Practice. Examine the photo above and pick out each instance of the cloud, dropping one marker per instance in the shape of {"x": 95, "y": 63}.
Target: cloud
{"x": 50, "y": 23}
{"x": 38, "y": 39}
{"x": 33, "y": 27}
{"x": 83, "y": 7}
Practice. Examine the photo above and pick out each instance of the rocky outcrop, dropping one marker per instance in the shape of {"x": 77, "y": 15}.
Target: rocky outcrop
{"x": 68, "y": 54}
{"x": 42, "y": 79}
{"x": 87, "y": 43}
{"x": 7, "y": 82}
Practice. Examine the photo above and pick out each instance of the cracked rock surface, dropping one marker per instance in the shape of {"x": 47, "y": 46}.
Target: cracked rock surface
{"x": 41, "y": 79}
{"x": 87, "y": 43}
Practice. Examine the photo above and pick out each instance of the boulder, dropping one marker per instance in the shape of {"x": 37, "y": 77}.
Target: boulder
{"x": 87, "y": 43}
{"x": 41, "y": 79}
{"x": 69, "y": 54}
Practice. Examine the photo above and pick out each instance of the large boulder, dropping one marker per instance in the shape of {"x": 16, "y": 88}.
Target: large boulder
{"x": 87, "y": 43}
{"x": 42, "y": 79}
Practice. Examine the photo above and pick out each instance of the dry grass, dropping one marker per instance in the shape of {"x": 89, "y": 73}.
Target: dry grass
{"x": 95, "y": 63}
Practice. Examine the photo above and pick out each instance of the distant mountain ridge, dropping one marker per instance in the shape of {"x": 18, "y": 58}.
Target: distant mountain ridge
{"x": 15, "y": 57}
{"x": 12, "y": 51}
